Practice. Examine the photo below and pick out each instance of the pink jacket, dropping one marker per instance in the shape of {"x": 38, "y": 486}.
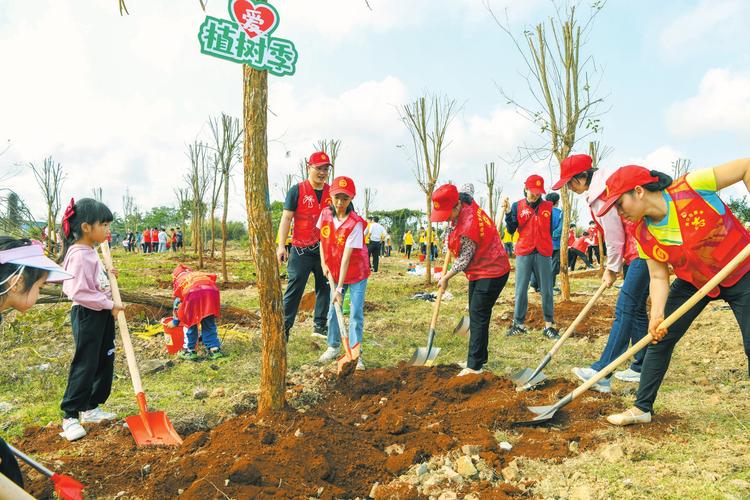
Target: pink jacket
{"x": 90, "y": 286}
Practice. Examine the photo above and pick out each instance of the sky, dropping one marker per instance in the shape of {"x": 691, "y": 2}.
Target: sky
{"x": 116, "y": 99}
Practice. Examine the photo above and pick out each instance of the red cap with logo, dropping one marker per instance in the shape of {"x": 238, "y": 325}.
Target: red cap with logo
{"x": 318, "y": 159}
{"x": 343, "y": 185}
{"x": 535, "y": 184}
{"x": 444, "y": 199}
{"x": 623, "y": 180}
{"x": 572, "y": 166}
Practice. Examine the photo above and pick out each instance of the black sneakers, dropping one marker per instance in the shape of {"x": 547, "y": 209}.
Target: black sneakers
{"x": 551, "y": 333}
{"x": 516, "y": 329}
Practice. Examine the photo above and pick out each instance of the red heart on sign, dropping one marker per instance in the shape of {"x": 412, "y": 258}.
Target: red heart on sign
{"x": 256, "y": 19}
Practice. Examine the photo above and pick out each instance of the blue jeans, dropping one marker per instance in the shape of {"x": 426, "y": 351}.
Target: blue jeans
{"x": 208, "y": 333}
{"x": 631, "y": 321}
{"x": 356, "y": 316}
{"x": 542, "y": 267}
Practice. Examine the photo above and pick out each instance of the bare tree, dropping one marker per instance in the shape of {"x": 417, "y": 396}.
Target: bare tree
{"x": 564, "y": 105}
{"x": 427, "y": 124}
{"x": 331, "y": 147}
{"x": 369, "y": 194}
{"x": 98, "y": 195}
{"x": 215, "y": 180}
{"x": 15, "y": 217}
{"x": 680, "y": 167}
{"x": 198, "y": 181}
{"x": 287, "y": 185}
{"x": 184, "y": 200}
{"x": 49, "y": 177}
{"x": 129, "y": 210}
{"x": 227, "y": 135}
{"x": 302, "y": 165}
{"x": 494, "y": 192}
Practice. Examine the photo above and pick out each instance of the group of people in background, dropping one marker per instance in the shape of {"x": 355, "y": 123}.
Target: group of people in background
{"x": 153, "y": 240}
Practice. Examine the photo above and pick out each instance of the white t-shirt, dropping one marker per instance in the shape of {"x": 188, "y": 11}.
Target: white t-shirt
{"x": 377, "y": 232}
{"x": 356, "y": 237}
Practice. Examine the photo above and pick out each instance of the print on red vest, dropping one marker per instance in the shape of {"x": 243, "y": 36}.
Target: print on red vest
{"x": 333, "y": 242}
{"x": 305, "y": 232}
{"x": 534, "y": 228}
{"x": 490, "y": 259}
{"x": 709, "y": 240}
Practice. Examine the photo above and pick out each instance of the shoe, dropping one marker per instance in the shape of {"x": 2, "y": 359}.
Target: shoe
{"x": 469, "y": 371}
{"x": 216, "y": 353}
{"x": 188, "y": 354}
{"x": 516, "y": 329}
{"x": 628, "y": 375}
{"x": 72, "y": 429}
{"x": 462, "y": 364}
{"x": 320, "y": 332}
{"x": 629, "y": 417}
{"x": 551, "y": 333}
{"x": 330, "y": 354}
{"x": 96, "y": 415}
{"x": 584, "y": 374}
{"x": 360, "y": 364}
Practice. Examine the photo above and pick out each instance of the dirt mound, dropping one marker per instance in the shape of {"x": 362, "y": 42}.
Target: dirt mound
{"x": 229, "y": 314}
{"x": 597, "y": 323}
{"x": 340, "y": 446}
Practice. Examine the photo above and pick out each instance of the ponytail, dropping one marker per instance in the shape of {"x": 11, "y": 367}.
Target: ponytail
{"x": 663, "y": 183}
{"x": 85, "y": 210}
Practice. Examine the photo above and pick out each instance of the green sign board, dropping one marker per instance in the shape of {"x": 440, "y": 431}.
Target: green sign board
{"x": 246, "y": 38}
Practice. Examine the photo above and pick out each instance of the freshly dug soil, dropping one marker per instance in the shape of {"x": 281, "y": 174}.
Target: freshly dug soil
{"x": 338, "y": 444}
{"x": 229, "y": 314}
{"x": 596, "y": 323}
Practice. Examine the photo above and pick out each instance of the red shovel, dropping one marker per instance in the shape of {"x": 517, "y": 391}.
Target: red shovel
{"x": 148, "y": 427}
{"x": 66, "y": 487}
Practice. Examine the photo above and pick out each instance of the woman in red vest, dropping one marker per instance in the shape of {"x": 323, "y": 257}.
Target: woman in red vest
{"x": 686, "y": 225}
{"x": 146, "y": 241}
{"x": 578, "y": 249}
{"x": 532, "y": 217}
{"x": 475, "y": 243}
{"x": 345, "y": 262}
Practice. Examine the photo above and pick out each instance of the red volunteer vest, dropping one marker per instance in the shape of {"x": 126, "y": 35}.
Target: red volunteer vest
{"x": 199, "y": 295}
{"x": 333, "y": 242}
{"x": 490, "y": 259}
{"x": 580, "y": 244}
{"x": 154, "y": 236}
{"x": 534, "y": 228}
{"x": 630, "y": 252}
{"x": 146, "y": 236}
{"x": 306, "y": 216}
{"x": 709, "y": 240}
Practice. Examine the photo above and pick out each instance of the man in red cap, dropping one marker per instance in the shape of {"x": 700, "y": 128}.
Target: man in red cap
{"x": 303, "y": 205}
{"x": 532, "y": 217}
{"x": 631, "y": 322}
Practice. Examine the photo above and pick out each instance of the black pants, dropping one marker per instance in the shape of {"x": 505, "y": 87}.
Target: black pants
{"x": 373, "y": 248}
{"x": 482, "y": 296}
{"x": 408, "y": 251}
{"x": 9, "y": 466}
{"x": 593, "y": 251}
{"x": 572, "y": 254}
{"x": 90, "y": 376}
{"x": 302, "y": 262}
{"x": 658, "y": 356}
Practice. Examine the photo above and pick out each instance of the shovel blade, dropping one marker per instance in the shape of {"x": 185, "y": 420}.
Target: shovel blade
{"x": 543, "y": 415}
{"x": 424, "y": 357}
{"x": 522, "y": 376}
{"x": 67, "y": 488}
{"x": 153, "y": 428}
{"x": 462, "y": 328}
{"x": 525, "y": 379}
{"x": 346, "y": 358}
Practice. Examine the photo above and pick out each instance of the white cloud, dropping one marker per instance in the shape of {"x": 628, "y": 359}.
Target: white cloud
{"x": 709, "y": 22}
{"x": 721, "y": 105}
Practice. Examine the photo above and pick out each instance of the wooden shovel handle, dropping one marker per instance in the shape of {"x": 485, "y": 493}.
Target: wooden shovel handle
{"x": 581, "y": 315}
{"x": 685, "y": 307}
{"x": 343, "y": 332}
{"x": 135, "y": 375}
{"x": 439, "y": 299}
{"x": 9, "y": 489}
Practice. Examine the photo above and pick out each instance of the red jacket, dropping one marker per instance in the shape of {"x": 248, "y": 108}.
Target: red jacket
{"x": 534, "y": 229}
{"x": 306, "y": 215}
{"x": 490, "y": 259}
{"x": 333, "y": 242}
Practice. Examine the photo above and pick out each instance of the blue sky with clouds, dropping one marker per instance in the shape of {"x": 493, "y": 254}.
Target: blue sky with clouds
{"x": 116, "y": 99}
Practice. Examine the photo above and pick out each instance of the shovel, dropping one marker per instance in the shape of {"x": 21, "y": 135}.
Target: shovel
{"x": 425, "y": 356}
{"x": 147, "y": 428}
{"x": 545, "y": 413}
{"x": 526, "y": 378}
{"x": 351, "y": 353}
{"x": 66, "y": 487}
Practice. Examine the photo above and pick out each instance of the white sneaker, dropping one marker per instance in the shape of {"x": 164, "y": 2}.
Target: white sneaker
{"x": 330, "y": 354}
{"x": 360, "y": 363}
{"x": 628, "y": 375}
{"x": 584, "y": 374}
{"x": 96, "y": 415}
{"x": 72, "y": 429}
{"x": 629, "y": 417}
{"x": 469, "y": 371}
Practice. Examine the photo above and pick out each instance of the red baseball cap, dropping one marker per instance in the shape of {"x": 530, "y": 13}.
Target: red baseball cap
{"x": 572, "y": 166}
{"x": 318, "y": 159}
{"x": 444, "y": 199}
{"x": 535, "y": 184}
{"x": 623, "y": 180}
{"x": 343, "y": 185}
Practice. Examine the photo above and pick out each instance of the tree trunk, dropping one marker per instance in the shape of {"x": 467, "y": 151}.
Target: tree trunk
{"x": 427, "y": 260}
{"x": 224, "y": 275}
{"x": 213, "y": 230}
{"x": 564, "y": 276}
{"x": 255, "y": 159}
{"x": 200, "y": 238}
